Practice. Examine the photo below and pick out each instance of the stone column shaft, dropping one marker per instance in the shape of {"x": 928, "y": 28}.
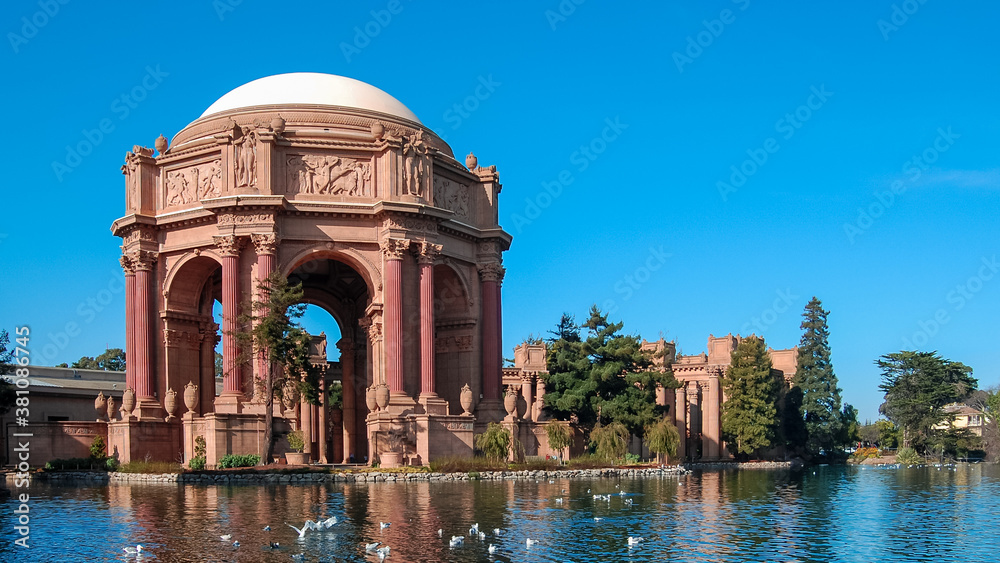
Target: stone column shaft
{"x": 349, "y": 391}
{"x": 143, "y": 342}
{"x": 394, "y": 324}
{"x": 680, "y": 412}
{"x": 712, "y": 424}
{"x": 129, "y": 322}
{"x": 305, "y": 412}
{"x": 427, "y": 328}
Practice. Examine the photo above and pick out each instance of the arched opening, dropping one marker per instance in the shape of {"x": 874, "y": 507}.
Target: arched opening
{"x": 455, "y": 325}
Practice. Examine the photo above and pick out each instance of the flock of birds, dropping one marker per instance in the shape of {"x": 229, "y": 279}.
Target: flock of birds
{"x": 382, "y": 551}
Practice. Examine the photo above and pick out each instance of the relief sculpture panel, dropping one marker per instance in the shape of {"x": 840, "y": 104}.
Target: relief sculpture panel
{"x": 189, "y": 185}
{"x": 328, "y": 175}
{"x": 452, "y": 196}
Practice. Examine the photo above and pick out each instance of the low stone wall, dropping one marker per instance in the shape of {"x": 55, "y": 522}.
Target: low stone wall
{"x": 211, "y": 478}
{"x": 745, "y": 465}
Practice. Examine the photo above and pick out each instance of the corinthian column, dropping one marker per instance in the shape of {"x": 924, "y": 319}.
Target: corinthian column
{"x": 491, "y": 274}
{"x": 347, "y": 380}
{"x": 232, "y": 391}
{"x": 393, "y": 251}
{"x": 426, "y": 254}
{"x": 142, "y": 339}
{"x": 265, "y": 244}
{"x": 129, "y": 269}
{"x": 713, "y": 429}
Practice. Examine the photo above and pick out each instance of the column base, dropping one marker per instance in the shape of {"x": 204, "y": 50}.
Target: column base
{"x": 433, "y": 404}
{"x": 148, "y": 410}
{"x": 229, "y": 403}
{"x": 400, "y": 404}
{"x": 490, "y": 410}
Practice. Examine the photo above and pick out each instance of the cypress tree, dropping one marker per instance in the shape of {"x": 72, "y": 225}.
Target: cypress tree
{"x": 820, "y": 408}
{"x": 750, "y": 413}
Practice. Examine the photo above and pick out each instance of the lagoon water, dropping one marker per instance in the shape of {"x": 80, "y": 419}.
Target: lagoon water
{"x": 818, "y": 514}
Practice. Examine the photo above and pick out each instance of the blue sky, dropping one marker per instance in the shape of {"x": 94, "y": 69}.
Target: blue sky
{"x": 695, "y": 168}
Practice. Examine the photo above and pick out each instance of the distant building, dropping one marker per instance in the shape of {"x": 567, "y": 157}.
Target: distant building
{"x": 962, "y": 416}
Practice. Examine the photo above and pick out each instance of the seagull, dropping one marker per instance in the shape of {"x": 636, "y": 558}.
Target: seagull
{"x": 559, "y": 500}
{"x": 267, "y": 528}
{"x": 482, "y": 536}
{"x": 474, "y": 530}
{"x": 226, "y": 537}
{"x": 456, "y": 541}
{"x": 622, "y": 493}
{"x": 633, "y": 541}
{"x": 628, "y": 501}
{"x": 274, "y": 545}
{"x": 382, "y": 552}
{"x": 328, "y": 523}
{"x": 440, "y": 532}
{"x": 384, "y": 525}
{"x": 302, "y": 531}
{"x": 133, "y": 550}
{"x": 236, "y": 544}
{"x": 369, "y": 547}
{"x": 497, "y": 531}
{"x": 530, "y": 542}
{"x": 598, "y": 518}
{"x": 492, "y": 549}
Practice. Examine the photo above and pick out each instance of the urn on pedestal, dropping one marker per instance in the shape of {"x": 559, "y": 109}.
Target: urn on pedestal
{"x": 128, "y": 401}
{"x": 382, "y": 396}
{"x": 465, "y": 399}
{"x": 101, "y": 406}
{"x": 191, "y": 396}
{"x": 111, "y": 409}
{"x": 370, "y": 398}
{"x": 170, "y": 403}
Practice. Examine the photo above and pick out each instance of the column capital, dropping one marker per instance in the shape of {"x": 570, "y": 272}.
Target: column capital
{"x": 427, "y": 252}
{"x": 229, "y": 245}
{"x": 142, "y": 259}
{"x": 372, "y": 328}
{"x": 492, "y": 271}
{"x": 265, "y": 243}
{"x": 394, "y": 248}
{"x": 345, "y": 345}
{"x": 127, "y": 266}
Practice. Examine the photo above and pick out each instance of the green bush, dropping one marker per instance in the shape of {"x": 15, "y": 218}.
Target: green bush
{"x": 560, "y": 436}
{"x": 587, "y": 461}
{"x": 98, "y": 450}
{"x": 234, "y": 460}
{"x": 474, "y": 476}
{"x": 466, "y": 464}
{"x": 495, "y": 442}
{"x": 197, "y": 463}
{"x": 111, "y": 464}
{"x": 610, "y": 441}
{"x": 295, "y": 441}
{"x": 632, "y": 459}
{"x": 662, "y": 438}
{"x": 75, "y": 464}
{"x": 908, "y": 456}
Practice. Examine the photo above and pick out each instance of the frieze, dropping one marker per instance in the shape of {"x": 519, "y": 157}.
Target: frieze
{"x": 188, "y": 185}
{"x": 409, "y": 224}
{"x": 458, "y": 425}
{"x": 138, "y": 235}
{"x": 245, "y": 219}
{"x": 452, "y": 196}
{"x": 328, "y": 175}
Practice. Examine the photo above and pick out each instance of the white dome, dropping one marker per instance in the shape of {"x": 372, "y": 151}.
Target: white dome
{"x": 310, "y": 88}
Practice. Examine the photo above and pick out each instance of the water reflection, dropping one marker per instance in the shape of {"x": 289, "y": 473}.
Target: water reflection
{"x": 821, "y": 514}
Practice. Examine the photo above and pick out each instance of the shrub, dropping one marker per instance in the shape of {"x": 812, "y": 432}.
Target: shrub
{"x": 75, "y": 464}
{"x": 662, "y": 438}
{"x": 495, "y": 442}
{"x": 233, "y": 460}
{"x": 560, "y": 436}
{"x": 631, "y": 459}
{"x": 98, "y": 450}
{"x": 908, "y": 456}
{"x": 111, "y": 464}
{"x": 150, "y": 467}
{"x": 197, "y": 463}
{"x": 610, "y": 441}
{"x": 466, "y": 464}
{"x": 587, "y": 461}
{"x": 295, "y": 441}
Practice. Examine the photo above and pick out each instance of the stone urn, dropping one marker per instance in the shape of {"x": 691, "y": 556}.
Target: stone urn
{"x": 382, "y": 396}
{"x": 111, "y": 408}
{"x": 191, "y": 396}
{"x": 128, "y": 401}
{"x": 471, "y": 162}
{"x": 161, "y": 144}
{"x": 296, "y": 458}
{"x": 370, "y": 398}
{"x": 391, "y": 459}
{"x": 465, "y": 399}
{"x": 278, "y": 125}
{"x": 510, "y": 401}
{"x": 170, "y": 403}
{"x": 100, "y": 405}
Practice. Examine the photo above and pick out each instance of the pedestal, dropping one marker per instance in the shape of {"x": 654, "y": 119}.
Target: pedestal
{"x": 229, "y": 403}
{"x": 433, "y": 404}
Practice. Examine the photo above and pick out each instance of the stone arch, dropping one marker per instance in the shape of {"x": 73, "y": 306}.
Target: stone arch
{"x": 180, "y": 287}
{"x": 369, "y": 272}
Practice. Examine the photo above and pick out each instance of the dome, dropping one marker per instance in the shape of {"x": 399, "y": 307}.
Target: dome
{"x": 310, "y": 88}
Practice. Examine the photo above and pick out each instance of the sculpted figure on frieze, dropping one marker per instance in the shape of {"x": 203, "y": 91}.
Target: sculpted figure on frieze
{"x": 328, "y": 175}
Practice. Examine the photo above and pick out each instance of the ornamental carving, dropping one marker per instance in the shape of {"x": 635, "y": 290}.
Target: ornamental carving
{"x": 265, "y": 243}
{"x": 395, "y": 248}
{"x": 416, "y": 165}
{"x": 372, "y": 329}
{"x": 409, "y": 224}
{"x": 131, "y": 171}
{"x": 427, "y": 252}
{"x": 229, "y": 245}
{"x": 142, "y": 259}
{"x": 138, "y": 235}
{"x": 452, "y": 196}
{"x": 445, "y": 344}
{"x": 246, "y": 159}
{"x": 245, "y": 219}
{"x": 194, "y": 183}
{"x": 126, "y": 261}
{"x": 492, "y": 271}
{"x": 329, "y": 175}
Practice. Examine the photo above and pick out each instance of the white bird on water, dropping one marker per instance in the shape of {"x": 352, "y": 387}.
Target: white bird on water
{"x": 474, "y": 530}
{"x": 384, "y": 525}
{"x": 497, "y": 531}
{"x": 492, "y": 549}
{"x": 369, "y": 547}
{"x": 382, "y": 552}
{"x": 456, "y": 541}
{"x": 302, "y": 531}
{"x": 482, "y": 536}
{"x": 530, "y": 542}
{"x": 226, "y": 537}
{"x": 632, "y": 542}
{"x": 133, "y": 550}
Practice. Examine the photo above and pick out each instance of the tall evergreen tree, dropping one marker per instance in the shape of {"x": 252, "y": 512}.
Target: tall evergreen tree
{"x": 820, "y": 409}
{"x": 750, "y": 414}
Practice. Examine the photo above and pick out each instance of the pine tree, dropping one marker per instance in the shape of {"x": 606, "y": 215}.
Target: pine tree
{"x": 750, "y": 414}
{"x": 820, "y": 409}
